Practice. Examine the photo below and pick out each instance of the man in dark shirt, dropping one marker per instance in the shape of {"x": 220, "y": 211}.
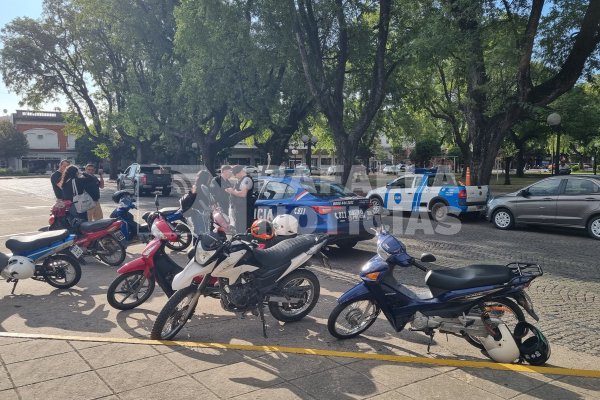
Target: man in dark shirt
{"x": 218, "y": 187}
{"x": 55, "y": 178}
{"x": 93, "y": 189}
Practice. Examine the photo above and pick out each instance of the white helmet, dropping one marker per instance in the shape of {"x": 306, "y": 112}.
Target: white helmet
{"x": 504, "y": 350}
{"x": 19, "y": 267}
{"x": 285, "y": 225}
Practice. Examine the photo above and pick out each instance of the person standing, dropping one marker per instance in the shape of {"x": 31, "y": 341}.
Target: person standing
{"x": 82, "y": 183}
{"x": 219, "y": 186}
{"x": 242, "y": 199}
{"x": 96, "y": 183}
{"x": 56, "y": 176}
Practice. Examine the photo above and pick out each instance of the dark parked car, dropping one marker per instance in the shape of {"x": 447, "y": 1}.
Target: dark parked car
{"x": 570, "y": 201}
{"x": 146, "y": 179}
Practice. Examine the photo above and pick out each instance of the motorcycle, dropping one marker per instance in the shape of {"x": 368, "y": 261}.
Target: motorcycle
{"x": 473, "y": 302}
{"x": 248, "y": 279}
{"x": 101, "y": 239}
{"x": 141, "y": 232}
{"x": 137, "y": 279}
{"x": 42, "y": 257}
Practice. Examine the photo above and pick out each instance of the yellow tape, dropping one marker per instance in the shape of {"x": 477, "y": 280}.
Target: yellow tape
{"x": 321, "y": 352}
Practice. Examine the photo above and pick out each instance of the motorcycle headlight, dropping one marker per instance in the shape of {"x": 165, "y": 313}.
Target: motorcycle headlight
{"x": 382, "y": 253}
{"x": 156, "y": 232}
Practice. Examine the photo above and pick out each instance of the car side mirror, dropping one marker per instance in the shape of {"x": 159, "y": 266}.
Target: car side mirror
{"x": 524, "y": 193}
{"x": 427, "y": 257}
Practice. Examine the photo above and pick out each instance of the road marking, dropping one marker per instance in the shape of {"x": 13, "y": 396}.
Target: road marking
{"x": 445, "y": 362}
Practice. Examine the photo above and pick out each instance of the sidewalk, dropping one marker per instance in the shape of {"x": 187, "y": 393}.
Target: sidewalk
{"x": 76, "y": 369}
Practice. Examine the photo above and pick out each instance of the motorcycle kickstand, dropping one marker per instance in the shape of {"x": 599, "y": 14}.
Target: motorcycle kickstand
{"x": 431, "y": 332}
{"x": 14, "y": 286}
{"x": 261, "y": 312}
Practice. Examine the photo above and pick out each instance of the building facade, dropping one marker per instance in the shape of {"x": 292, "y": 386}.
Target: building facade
{"x": 48, "y": 143}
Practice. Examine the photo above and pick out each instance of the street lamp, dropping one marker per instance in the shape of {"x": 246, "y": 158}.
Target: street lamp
{"x": 309, "y": 142}
{"x": 554, "y": 121}
{"x": 595, "y": 157}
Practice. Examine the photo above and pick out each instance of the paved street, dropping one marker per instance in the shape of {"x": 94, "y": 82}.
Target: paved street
{"x": 567, "y": 298}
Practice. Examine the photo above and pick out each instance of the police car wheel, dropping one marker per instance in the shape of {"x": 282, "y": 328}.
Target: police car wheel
{"x": 376, "y": 205}
{"x": 439, "y": 211}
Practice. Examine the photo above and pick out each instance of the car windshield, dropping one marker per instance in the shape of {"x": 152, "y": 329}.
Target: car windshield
{"x": 326, "y": 189}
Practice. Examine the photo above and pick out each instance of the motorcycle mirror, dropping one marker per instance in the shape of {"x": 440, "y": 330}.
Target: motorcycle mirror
{"x": 156, "y": 201}
{"x": 427, "y": 257}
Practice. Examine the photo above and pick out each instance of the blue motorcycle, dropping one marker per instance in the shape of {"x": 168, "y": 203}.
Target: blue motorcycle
{"x": 50, "y": 257}
{"x": 142, "y": 232}
{"x": 476, "y": 302}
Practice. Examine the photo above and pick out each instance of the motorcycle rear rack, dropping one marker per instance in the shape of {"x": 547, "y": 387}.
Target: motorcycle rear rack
{"x": 526, "y": 270}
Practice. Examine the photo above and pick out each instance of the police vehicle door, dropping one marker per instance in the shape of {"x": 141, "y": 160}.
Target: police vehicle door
{"x": 275, "y": 197}
{"x": 400, "y": 193}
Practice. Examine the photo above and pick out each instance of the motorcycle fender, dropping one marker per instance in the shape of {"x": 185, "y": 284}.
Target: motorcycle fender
{"x": 191, "y": 270}
{"x": 358, "y": 292}
{"x": 139, "y": 264}
{"x": 524, "y": 301}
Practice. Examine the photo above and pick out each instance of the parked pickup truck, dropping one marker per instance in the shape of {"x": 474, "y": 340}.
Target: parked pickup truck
{"x": 437, "y": 193}
{"x": 146, "y": 178}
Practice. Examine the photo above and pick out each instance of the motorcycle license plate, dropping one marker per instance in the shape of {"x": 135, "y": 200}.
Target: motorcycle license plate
{"x": 76, "y": 251}
{"x": 119, "y": 236}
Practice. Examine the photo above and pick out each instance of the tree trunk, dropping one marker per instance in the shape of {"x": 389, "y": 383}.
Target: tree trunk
{"x": 507, "y": 162}
{"x": 521, "y": 162}
{"x": 113, "y": 162}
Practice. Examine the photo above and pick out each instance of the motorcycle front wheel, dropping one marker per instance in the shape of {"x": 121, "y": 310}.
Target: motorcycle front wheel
{"x": 502, "y": 309}
{"x": 185, "y": 238}
{"x": 61, "y": 271}
{"x": 129, "y": 290}
{"x": 301, "y": 284}
{"x": 110, "y": 251}
{"x": 175, "y": 314}
{"x": 352, "y": 318}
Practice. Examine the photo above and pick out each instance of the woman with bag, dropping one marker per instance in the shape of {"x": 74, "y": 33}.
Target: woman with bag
{"x": 75, "y": 188}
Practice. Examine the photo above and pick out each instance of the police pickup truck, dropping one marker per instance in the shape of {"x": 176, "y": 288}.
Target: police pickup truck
{"x": 429, "y": 191}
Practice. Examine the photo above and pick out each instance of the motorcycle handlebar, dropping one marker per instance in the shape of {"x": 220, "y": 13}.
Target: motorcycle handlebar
{"x": 420, "y": 266}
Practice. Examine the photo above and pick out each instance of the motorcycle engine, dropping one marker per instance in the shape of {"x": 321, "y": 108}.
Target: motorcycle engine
{"x": 240, "y": 296}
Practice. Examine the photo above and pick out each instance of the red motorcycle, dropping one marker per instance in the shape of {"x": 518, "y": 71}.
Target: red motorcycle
{"x": 138, "y": 278}
{"x": 101, "y": 239}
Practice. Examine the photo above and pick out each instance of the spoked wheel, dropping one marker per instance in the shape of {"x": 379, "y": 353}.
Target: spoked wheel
{"x": 61, "y": 271}
{"x": 185, "y": 238}
{"x": 300, "y": 284}
{"x": 502, "y": 309}
{"x": 175, "y": 313}
{"x": 129, "y": 290}
{"x": 110, "y": 250}
{"x": 348, "y": 320}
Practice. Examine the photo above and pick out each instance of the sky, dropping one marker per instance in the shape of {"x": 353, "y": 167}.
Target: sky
{"x": 9, "y": 10}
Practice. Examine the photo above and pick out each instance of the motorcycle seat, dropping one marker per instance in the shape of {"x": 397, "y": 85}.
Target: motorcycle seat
{"x": 33, "y": 242}
{"x": 86, "y": 227}
{"x": 468, "y": 277}
{"x": 281, "y": 253}
{"x": 168, "y": 210}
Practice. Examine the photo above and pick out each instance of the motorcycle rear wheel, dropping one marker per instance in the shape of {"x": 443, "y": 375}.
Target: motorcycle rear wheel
{"x": 130, "y": 286}
{"x": 503, "y": 309}
{"x": 61, "y": 271}
{"x": 113, "y": 252}
{"x": 356, "y": 317}
{"x": 301, "y": 282}
{"x": 185, "y": 238}
{"x": 175, "y": 314}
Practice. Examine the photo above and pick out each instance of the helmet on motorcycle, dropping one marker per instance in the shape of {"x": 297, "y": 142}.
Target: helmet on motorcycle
{"x": 262, "y": 229}
{"x": 119, "y": 194}
{"x": 536, "y": 348}
{"x": 285, "y": 225}
{"x": 19, "y": 267}
{"x": 504, "y": 350}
